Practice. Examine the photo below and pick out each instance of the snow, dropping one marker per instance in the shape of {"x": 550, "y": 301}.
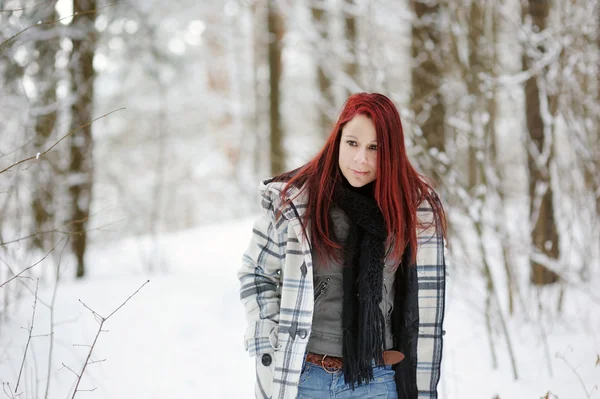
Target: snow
{"x": 181, "y": 335}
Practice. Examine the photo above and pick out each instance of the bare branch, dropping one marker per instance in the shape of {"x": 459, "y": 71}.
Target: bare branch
{"x": 28, "y": 338}
{"x": 88, "y": 390}
{"x": 102, "y": 321}
{"x": 36, "y": 263}
{"x": 29, "y": 8}
{"x": 123, "y": 304}
{"x": 32, "y": 235}
{"x": 51, "y": 23}
{"x": 96, "y": 315}
{"x": 69, "y": 368}
{"x": 564, "y": 359}
{"x": 61, "y": 139}
{"x": 8, "y": 391}
{"x": 51, "y": 321}
{"x": 43, "y": 335}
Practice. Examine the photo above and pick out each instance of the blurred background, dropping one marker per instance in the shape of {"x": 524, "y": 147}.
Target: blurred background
{"x": 136, "y": 121}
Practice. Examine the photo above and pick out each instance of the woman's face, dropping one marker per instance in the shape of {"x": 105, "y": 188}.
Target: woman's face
{"x": 358, "y": 151}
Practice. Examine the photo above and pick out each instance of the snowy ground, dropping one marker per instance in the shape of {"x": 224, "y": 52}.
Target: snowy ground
{"x": 181, "y": 335}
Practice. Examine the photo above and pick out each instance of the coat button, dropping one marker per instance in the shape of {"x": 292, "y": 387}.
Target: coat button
{"x": 302, "y": 333}
{"x": 303, "y": 269}
{"x": 266, "y": 360}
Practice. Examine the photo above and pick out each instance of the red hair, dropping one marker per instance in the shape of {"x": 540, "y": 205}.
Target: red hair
{"x": 398, "y": 190}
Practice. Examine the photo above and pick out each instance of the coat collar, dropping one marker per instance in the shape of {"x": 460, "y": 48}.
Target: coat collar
{"x": 272, "y": 191}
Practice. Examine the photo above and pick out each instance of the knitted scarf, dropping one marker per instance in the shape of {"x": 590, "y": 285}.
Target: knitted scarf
{"x": 363, "y": 324}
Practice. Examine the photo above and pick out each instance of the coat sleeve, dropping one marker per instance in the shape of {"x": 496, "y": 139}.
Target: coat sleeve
{"x": 431, "y": 278}
{"x": 260, "y": 290}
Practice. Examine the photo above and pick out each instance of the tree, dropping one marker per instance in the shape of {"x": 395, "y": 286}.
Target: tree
{"x": 540, "y": 152}
{"x": 427, "y": 76}
{"x": 260, "y": 107}
{"x": 326, "y": 98}
{"x": 82, "y": 89}
{"x": 351, "y": 65}
{"x": 275, "y": 24}
{"x": 44, "y": 114}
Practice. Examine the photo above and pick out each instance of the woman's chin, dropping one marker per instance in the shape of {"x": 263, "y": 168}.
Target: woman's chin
{"x": 358, "y": 181}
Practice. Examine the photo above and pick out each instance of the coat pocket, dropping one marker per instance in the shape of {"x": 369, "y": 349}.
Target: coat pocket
{"x": 321, "y": 290}
{"x": 265, "y": 365}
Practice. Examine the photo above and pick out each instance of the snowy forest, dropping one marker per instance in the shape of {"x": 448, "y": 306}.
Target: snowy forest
{"x": 134, "y": 135}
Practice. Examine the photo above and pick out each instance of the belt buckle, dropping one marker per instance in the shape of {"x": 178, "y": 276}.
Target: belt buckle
{"x": 325, "y": 368}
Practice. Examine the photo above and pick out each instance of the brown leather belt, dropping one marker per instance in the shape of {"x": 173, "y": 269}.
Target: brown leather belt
{"x": 332, "y": 364}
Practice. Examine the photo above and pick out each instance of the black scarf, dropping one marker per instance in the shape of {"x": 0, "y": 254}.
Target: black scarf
{"x": 363, "y": 324}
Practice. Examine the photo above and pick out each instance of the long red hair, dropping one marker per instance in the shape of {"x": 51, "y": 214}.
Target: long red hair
{"x": 398, "y": 190}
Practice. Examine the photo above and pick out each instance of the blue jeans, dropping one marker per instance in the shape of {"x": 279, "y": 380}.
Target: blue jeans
{"x": 316, "y": 383}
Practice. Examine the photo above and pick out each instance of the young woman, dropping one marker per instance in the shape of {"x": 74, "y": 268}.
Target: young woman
{"x": 344, "y": 279}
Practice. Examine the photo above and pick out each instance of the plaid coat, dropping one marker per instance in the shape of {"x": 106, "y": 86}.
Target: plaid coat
{"x": 277, "y": 291}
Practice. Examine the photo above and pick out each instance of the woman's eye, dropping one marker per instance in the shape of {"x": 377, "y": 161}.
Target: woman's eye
{"x": 351, "y": 143}
{"x": 373, "y": 147}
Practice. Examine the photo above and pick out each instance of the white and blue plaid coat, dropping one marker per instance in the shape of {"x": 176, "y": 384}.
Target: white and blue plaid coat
{"x": 277, "y": 291}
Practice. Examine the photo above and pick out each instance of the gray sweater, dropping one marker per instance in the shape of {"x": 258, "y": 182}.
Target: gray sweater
{"x": 326, "y": 336}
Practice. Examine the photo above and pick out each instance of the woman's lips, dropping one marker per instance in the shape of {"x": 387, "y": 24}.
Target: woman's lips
{"x": 356, "y": 172}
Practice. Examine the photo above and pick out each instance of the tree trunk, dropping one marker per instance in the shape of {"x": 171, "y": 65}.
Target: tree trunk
{"x": 276, "y": 31}
{"x": 544, "y": 235}
{"x": 472, "y": 77}
{"x": 260, "y": 106}
{"x": 351, "y": 65}
{"x": 427, "y": 77}
{"x": 82, "y": 88}
{"x": 591, "y": 177}
{"x": 326, "y": 100}
{"x": 219, "y": 84}
{"x": 44, "y": 116}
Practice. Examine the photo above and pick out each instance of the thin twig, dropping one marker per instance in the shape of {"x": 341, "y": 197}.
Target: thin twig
{"x": 36, "y": 263}
{"x": 100, "y": 330}
{"x": 543, "y": 334}
{"x": 42, "y": 335}
{"x": 488, "y": 320}
{"x": 70, "y": 369}
{"x": 28, "y": 8}
{"x": 563, "y": 358}
{"x": 28, "y": 338}
{"x": 7, "y": 390}
{"x": 88, "y": 390}
{"x": 51, "y": 348}
{"x": 61, "y": 139}
{"x": 52, "y": 22}
{"x": 123, "y": 304}
{"x": 96, "y": 315}
{"x": 32, "y": 235}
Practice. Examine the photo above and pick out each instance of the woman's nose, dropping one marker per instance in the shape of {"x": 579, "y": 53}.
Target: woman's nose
{"x": 360, "y": 156}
